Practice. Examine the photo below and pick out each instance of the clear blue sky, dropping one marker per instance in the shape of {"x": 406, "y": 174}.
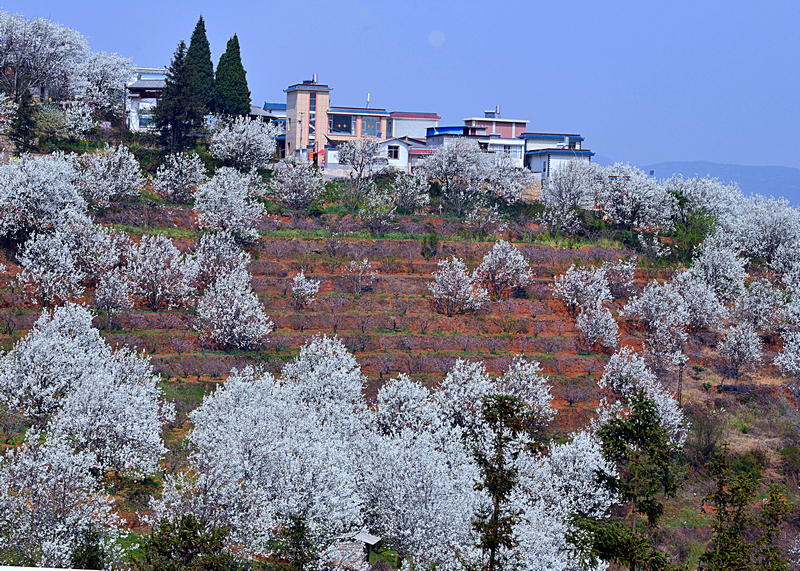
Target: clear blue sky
{"x": 643, "y": 82}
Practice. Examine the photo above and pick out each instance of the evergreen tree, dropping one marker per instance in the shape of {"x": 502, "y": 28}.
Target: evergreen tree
{"x": 21, "y": 130}
{"x": 180, "y": 107}
{"x": 199, "y": 57}
{"x": 232, "y": 95}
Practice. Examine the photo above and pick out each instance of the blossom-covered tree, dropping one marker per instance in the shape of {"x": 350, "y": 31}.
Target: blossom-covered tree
{"x": 582, "y": 286}
{"x": 160, "y": 272}
{"x": 378, "y": 208}
{"x": 505, "y": 181}
{"x": 226, "y": 202}
{"x": 360, "y": 156}
{"x": 454, "y": 289}
{"x": 48, "y": 500}
{"x": 230, "y": 315}
{"x": 632, "y": 200}
{"x": 51, "y": 271}
{"x": 215, "y": 255}
{"x": 179, "y": 176}
{"x": 625, "y": 375}
{"x": 741, "y": 349}
{"x": 38, "y": 193}
{"x": 503, "y": 269}
{"x": 404, "y": 403}
{"x": 719, "y": 265}
{"x": 304, "y": 290}
{"x": 597, "y": 325}
{"x": 244, "y": 142}
{"x": 109, "y": 175}
{"x": 411, "y": 192}
{"x": 761, "y": 225}
{"x": 101, "y": 77}
{"x": 39, "y": 51}
{"x": 297, "y": 184}
{"x": 360, "y": 276}
{"x": 461, "y": 170}
{"x": 569, "y": 186}
{"x": 789, "y": 359}
{"x": 114, "y": 294}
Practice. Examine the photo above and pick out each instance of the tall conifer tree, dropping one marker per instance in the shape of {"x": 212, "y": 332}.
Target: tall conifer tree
{"x": 199, "y": 57}
{"x": 179, "y": 108}
{"x": 232, "y": 95}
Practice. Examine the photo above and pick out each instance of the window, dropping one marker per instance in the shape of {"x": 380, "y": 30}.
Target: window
{"x": 341, "y": 125}
{"x": 312, "y": 117}
{"x": 370, "y": 126}
{"x": 394, "y": 151}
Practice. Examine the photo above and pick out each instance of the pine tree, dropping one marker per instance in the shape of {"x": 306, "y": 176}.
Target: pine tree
{"x": 180, "y": 107}
{"x": 199, "y": 57}
{"x": 232, "y": 94}
{"x": 21, "y": 130}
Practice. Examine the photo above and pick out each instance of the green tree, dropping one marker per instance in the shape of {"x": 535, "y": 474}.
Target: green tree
{"x": 232, "y": 94}
{"x": 21, "y": 129}
{"x": 508, "y": 421}
{"x": 90, "y": 553}
{"x": 180, "y": 108}
{"x": 198, "y": 56}
{"x": 743, "y": 540}
{"x": 638, "y": 445}
{"x": 186, "y": 544}
{"x": 293, "y": 548}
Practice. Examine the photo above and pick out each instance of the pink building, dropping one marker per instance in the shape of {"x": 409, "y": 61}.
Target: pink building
{"x": 498, "y": 127}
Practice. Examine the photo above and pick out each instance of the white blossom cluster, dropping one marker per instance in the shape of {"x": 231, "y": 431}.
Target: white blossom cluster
{"x": 226, "y": 202}
{"x": 215, "y": 255}
{"x": 161, "y": 274}
{"x": 297, "y": 184}
{"x": 454, "y": 289}
{"x": 244, "y": 142}
{"x": 230, "y": 316}
{"x": 503, "y": 269}
{"x": 411, "y": 192}
{"x": 179, "y": 176}
{"x": 109, "y": 174}
{"x": 304, "y": 290}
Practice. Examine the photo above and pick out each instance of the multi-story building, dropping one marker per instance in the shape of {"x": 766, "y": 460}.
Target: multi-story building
{"x": 497, "y": 126}
{"x": 408, "y": 124}
{"x": 142, "y": 94}
{"x": 545, "y": 152}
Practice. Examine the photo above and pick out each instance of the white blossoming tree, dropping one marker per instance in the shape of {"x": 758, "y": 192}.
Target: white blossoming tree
{"x": 160, "y": 272}
{"x": 226, "y": 202}
{"x": 230, "y": 315}
{"x": 51, "y": 271}
{"x": 741, "y": 349}
{"x": 503, "y": 269}
{"x": 304, "y": 290}
{"x": 597, "y": 325}
{"x": 411, "y": 192}
{"x": 109, "y": 175}
{"x": 216, "y": 254}
{"x": 297, "y": 184}
{"x": 461, "y": 169}
{"x": 454, "y": 289}
{"x": 179, "y": 176}
{"x": 582, "y": 286}
{"x": 244, "y": 142}
{"x": 38, "y": 193}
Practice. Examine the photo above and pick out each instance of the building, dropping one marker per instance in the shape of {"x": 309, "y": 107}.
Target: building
{"x": 404, "y": 153}
{"x": 306, "y": 116}
{"x": 408, "y": 124}
{"x": 497, "y": 126}
{"x": 142, "y": 93}
{"x": 545, "y": 152}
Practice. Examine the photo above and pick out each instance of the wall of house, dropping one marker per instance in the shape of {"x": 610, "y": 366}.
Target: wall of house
{"x": 507, "y": 130}
{"x": 408, "y": 127}
{"x": 401, "y": 162}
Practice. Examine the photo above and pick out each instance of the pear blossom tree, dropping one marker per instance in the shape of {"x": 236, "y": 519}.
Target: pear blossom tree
{"x": 454, "y": 289}
{"x": 632, "y": 200}
{"x": 101, "y": 77}
{"x": 503, "y": 269}
{"x": 39, "y": 194}
{"x": 304, "y": 290}
{"x": 39, "y": 51}
{"x": 378, "y": 209}
{"x": 161, "y": 274}
{"x": 114, "y": 294}
{"x": 582, "y": 286}
{"x": 78, "y": 118}
{"x": 179, "y": 176}
{"x": 230, "y": 315}
{"x": 51, "y": 271}
{"x": 109, "y": 175}
{"x": 297, "y": 184}
{"x": 626, "y": 374}
{"x": 762, "y": 225}
{"x": 569, "y": 187}
{"x": 788, "y": 361}
{"x": 411, "y": 192}
{"x": 461, "y": 170}
{"x": 404, "y": 403}
{"x": 216, "y": 254}
{"x": 360, "y": 276}
{"x": 505, "y": 181}
{"x": 244, "y": 142}
{"x": 226, "y": 202}
{"x": 717, "y": 262}
{"x": 741, "y": 349}
{"x": 762, "y": 305}
{"x": 48, "y": 500}
{"x": 360, "y": 156}
{"x": 597, "y": 325}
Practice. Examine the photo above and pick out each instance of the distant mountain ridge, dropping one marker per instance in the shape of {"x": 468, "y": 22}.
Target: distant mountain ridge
{"x": 767, "y": 181}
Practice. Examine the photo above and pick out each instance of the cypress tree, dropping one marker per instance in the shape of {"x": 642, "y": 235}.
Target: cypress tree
{"x": 199, "y": 56}
{"x": 179, "y": 108}
{"x": 232, "y": 95}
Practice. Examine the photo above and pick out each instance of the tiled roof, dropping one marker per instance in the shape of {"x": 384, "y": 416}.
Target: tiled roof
{"x": 147, "y": 84}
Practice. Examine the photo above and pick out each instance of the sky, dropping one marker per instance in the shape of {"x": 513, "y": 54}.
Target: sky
{"x": 643, "y": 82}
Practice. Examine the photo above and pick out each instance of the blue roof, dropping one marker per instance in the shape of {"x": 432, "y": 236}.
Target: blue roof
{"x": 571, "y": 152}
{"x": 275, "y": 106}
{"x": 458, "y": 129}
{"x": 550, "y": 136}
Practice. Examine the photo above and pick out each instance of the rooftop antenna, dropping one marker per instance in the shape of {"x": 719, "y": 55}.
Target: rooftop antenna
{"x": 314, "y": 78}
{"x": 497, "y": 111}
{"x": 367, "y": 100}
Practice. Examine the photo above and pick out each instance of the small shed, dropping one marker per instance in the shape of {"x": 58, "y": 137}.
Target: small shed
{"x": 371, "y": 542}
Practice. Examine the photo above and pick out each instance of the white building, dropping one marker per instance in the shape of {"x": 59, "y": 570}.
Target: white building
{"x": 545, "y": 152}
{"x": 142, "y": 93}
